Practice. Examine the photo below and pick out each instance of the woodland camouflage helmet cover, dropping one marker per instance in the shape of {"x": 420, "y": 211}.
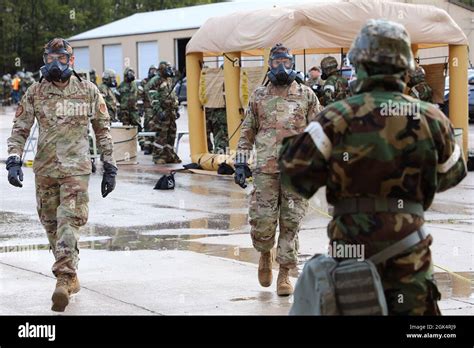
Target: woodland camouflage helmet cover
{"x": 108, "y": 74}
{"x": 328, "y": 66}
{"x": 417, "y": 76}
{"x": 384, "y": 44}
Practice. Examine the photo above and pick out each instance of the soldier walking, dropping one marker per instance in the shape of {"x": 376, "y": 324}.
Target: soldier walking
{"x": 282, "y": 108}
{"x": 63, "y": 105}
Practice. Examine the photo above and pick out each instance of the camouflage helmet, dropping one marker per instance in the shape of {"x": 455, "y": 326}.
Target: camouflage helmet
{"x": 281, "y": 51}
{"x": 127, "y": 69}
{"x": 328, "y": 65}
{"x": 129, "y": 74}
{"x": 384, "y": 44}
{"x": 28, "y": 74}
{"x": 416, "y": 76}
{"x": 108, "y": 74}
{"x": 152, "y": 71}
{"x": 163, "y": 65}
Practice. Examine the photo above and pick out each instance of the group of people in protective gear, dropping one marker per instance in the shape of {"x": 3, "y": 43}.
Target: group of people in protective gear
{"x": 381, "y": 173}
{"x": 160, "y": 107}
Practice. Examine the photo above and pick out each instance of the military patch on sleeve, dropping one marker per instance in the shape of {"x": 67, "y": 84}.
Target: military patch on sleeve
{"x": 102, "y": 108}
{"x": 19, "y": 111}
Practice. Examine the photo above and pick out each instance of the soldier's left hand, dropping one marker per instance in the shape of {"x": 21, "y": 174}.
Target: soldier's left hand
{"x": 242, "y": 172}
{"x": 15, "y": 174}
{"x": 108, "y": 180}
{"x": 177, "y": 115}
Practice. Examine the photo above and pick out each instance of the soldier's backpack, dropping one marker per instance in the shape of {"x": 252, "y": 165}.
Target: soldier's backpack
{"x": 349, "y": 287}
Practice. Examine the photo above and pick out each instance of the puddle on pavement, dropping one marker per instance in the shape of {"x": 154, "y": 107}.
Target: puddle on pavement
{"x": 131, "y": 238}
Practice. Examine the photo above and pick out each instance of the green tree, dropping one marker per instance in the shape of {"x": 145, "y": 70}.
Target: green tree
{"x": 26, "y": 25}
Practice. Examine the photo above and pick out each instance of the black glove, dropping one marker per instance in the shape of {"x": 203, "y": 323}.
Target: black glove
{"x": 108, "y": 180}
{"x": 242, "y": 172}
{"x": 15, "y": 174}
{"x": 177, "y": 115}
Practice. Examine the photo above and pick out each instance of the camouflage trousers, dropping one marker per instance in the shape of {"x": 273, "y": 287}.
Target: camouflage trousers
{"x": 216, "y": 123}
{"x": 62, "y": 206}
{"x": 407, "y": 278}
{"x": 163, "y": 147}
{"x": 272, "y": 204}
{"x": 148, "y": 126}
{"x": 130, "y": 118}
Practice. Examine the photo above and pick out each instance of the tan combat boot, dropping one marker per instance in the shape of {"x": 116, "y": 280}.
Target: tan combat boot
{"x": 284, "y": 287}
{"x": 265, "y": 275}
{"x": 66, "y": 285}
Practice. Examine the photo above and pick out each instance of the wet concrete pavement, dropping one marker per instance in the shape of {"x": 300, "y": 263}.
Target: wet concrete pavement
{"x": 187, "y": 251}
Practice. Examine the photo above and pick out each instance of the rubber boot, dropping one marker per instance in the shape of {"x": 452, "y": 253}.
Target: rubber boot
{"x": 66, "y": 285}
{"x": 265, "y": 276}
{"x": 284, "y": 287}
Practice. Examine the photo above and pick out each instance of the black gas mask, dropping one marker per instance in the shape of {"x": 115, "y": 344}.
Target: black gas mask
{"x": 56, "y": 66}
{"x": 168, "y": 72}
{"x": 110, "y": 82}
{"x": 130, "y": 76}
{"x": 283, "y": 74}
{"x": 151, "y": 73}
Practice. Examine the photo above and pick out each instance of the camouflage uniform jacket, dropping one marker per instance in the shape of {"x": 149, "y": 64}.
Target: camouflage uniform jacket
{"x": 335, "y": 88}
{"x": 357, "y": 148}
{"x": 311, "y": 82}
{"x": 110, "y": 99}
{"x": 275, "y": 112}
{"x": 422, "y": 91}
{"x": 143, "y": 95}
{"x": 63, "y": 116}
{"x": 161, "y": 94}
{"x": 128, "y": 96}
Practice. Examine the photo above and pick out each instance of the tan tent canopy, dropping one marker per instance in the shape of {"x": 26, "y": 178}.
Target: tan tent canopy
{"x": 321, "y": 25}
{"x": 311, "y": 28}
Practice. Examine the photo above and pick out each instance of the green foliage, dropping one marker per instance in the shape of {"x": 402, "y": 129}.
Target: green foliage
{"x": 26, "y": 25}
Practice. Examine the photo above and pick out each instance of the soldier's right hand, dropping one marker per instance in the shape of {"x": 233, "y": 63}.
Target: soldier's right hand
{"x": 15, "y": 174}
{"x": 242, "y": 172}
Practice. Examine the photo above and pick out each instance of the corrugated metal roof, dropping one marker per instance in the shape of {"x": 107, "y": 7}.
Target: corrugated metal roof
{"x": 176, "y": 19}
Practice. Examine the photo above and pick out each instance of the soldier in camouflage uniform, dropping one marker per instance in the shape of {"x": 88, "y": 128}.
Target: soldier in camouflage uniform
{"x": 108, "y": 82}
{"x": 381, "y": 166}
{"x": 93, "y": 76}
{"x": 282, "y": 108}
{"x": 335, "y": 86}
{"x": 7, "y": 89}
{"x": 216, "y": 123}
{"x": 165, "y": 112}
{"x": 26, "y": 82}
{"x": 148, "y": 110}
{"x": 128, "y": 98}
{"x": 418, "y": 87}
{"x": 63, "y": 106}
{"x": 315, "y": 82}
